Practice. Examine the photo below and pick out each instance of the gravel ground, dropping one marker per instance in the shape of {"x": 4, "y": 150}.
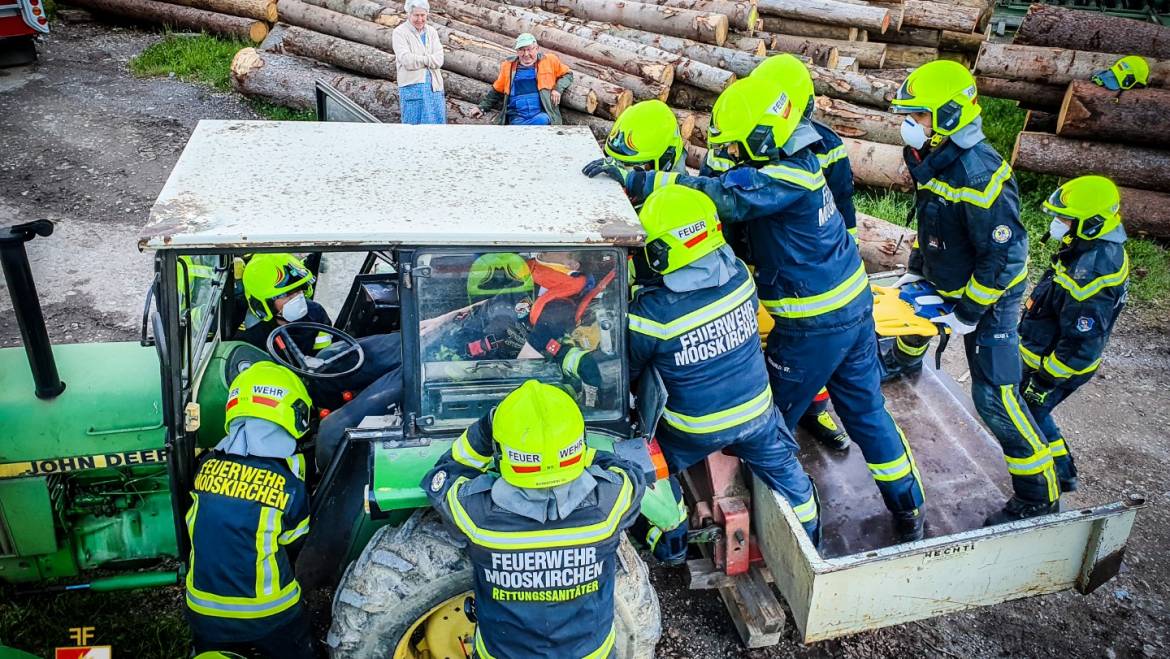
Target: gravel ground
{"x": 88, "y": 145}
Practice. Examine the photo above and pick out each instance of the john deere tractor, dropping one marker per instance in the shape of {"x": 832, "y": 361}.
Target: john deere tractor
{"x": 98, "y": 442}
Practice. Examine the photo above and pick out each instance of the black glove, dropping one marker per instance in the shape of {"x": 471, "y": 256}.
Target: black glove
{"x": 1040, "y": 386}
{"x": 608, "y": 167}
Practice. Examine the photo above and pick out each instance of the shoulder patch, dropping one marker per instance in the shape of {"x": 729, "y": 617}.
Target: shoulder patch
{"x": 1001, "y": 234}
{"x": 438, "y": 480}
{"x": 1084, "y": 324}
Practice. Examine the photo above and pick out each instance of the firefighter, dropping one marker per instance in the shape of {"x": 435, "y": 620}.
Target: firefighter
{"x": 693, "y": 319}
{"x": 249, "y": 510}
{"x": 543, "y": 532}
{"x": 972, "y": 247}
{"x": 646, "y": 137}
{"x": 1071, "y": 311}
{"x": 809, "y": 275}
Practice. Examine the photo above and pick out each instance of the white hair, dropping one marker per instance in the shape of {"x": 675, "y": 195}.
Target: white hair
{"x": 411, "y": 5}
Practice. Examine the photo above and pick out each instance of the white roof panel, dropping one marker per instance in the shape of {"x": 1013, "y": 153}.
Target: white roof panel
{"x": 283, "y": 184}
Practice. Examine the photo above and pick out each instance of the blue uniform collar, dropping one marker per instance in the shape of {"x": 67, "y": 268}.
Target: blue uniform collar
{"x": 257, "y": 437}
{"x": 711, "y": 271}
{"x": 945, "y": 155}
{"x": 543, "y": 505}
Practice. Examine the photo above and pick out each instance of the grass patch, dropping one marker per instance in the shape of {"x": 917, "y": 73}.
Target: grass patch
{"x": 206, "y": 60}
{"x": 1002, "y": 121}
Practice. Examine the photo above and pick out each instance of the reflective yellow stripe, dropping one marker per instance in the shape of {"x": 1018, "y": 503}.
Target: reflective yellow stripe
{"x": 958, "y": 292}
{"x": 1058, "y": 448}
{"x": 909, "y": 455}
{"x": 465, "y": 455}
{"x": 718, "y": 164}
{"x": 690, "y": 321}
{"x": 892, "y": 470}
{"x": 267, "y": 571}
{"x": 724, "y": 419}
{"x": 323, "y": 340}
{"x": 296, "y": 463}
{"x": 1082, "y": 293}
{"x": 600, "y": 653}
{"x": 815, "y": 305}
{"x": 805, "y": 179}
{"x": 663, "y": 179}
{"x": 573, "y": 361}
{"x": 1007, "y": 395}
{"x": 540, "y": 539}
{"x": 833, "y": 155}
{"x": 297, "y": 531}
{"x": 807, "y": 511}
{"x": 1031, "y": 359}
{"x": 982, "y": 198}
{"x": 1029, "y": 466}
{"x": 985, "y": 295}
{"x": 913, "y": 351}
{"x": 1059, "y": 369}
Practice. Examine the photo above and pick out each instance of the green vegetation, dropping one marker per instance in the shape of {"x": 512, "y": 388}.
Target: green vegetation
{"x": 1002, "y": 121}
{"x": 205, "y": 59}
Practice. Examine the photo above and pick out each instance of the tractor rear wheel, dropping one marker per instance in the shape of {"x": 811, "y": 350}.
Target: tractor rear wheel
{"x": 404, "y": 597}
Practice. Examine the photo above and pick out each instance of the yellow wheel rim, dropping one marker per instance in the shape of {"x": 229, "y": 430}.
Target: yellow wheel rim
{"x": 444, "y": 632}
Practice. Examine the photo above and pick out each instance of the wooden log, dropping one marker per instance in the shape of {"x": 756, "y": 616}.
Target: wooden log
{"x": 1127, "y": 165}
{"x": 751, "y": 45}
{"x": 344, "y": 26}
{"x": 343, "y": 54}
{"x": 1145, "y": 212}
{"x": 738, "y": 62}
{"x": 772, "y": 25}
{"x": 909, "y": 57}
{"x": 897, "y": 76}
{"x": 893, "y": 6}
{"x": 869, "y": 55}
{"x": 878, "y": 165}
{"x": 367, "y": 10}
{"x": 580, "y": 96}
{"x": 849, "y": 120}
{"x": 702, "y": 126}
{"x": 829, "y": 12}
{"x": 1053, "y": 66}
{"x": 280, "y": 79}
{"x": 1035, "y": 94}
{"x": 911, "y": 36}
{"x": 847, "y": 64}
{"x": 966, "y": 59}
{"x": 1137, "y": 116}
{"x": 700, "y": 26}
{"x": 853, "y": 87}
{"x": 686, "y": 122}
{"x": 964, "y": 43}
{"x": 186, "y": 18}
{"x": 1047, "y": 25}
{"x": 818, "y": 52}
{"x": 597, "y": 125}
{"x": 940, "y": 16}
{"x": 740, "y": 15}
{"x": 611, "y": 99}
{"x": 261, "y": 10}
{"x": 685, "y": 96}
{"x": 884, "y": 246}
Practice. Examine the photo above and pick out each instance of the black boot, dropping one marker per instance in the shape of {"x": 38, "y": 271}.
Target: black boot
{"x": 826, "y": 431}
{"x": 894, "y": 368}
{"x": 910, "y": 525}
{"x": 1016, "y": 509}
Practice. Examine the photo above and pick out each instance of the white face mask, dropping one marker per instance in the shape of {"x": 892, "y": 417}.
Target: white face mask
{"x": 1057, "y": 229}
{"x": 295, "y": 308}
{"x": 913, "y": 134}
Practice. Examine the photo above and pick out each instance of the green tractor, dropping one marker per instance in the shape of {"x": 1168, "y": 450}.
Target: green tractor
{"x": 99, "y": 442}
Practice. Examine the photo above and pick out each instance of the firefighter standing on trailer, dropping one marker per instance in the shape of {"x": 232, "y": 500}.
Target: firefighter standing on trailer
{"x": 543, "y": 533}
{"x": 1071, "y": 311}
{"x": 972, "y": 247}
{"x": 249, "y": 511}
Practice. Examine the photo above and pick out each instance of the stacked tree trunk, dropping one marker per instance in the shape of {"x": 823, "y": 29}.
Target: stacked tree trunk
{"x": 1085, "y": 128}
{"x": 247, "y": 20}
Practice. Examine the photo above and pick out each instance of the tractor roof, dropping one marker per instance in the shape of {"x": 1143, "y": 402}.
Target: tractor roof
{"x": 258, "y": 184}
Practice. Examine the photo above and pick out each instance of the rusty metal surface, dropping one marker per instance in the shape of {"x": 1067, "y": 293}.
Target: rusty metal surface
{"x": 336, "y": 185}
{"x": 960, "y": 463}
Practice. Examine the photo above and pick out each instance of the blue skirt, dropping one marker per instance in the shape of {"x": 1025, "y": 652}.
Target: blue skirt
{"x": 421, "y": 104}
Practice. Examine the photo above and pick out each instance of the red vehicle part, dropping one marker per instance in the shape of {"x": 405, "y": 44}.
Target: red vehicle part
{"x": 21, "y": 18}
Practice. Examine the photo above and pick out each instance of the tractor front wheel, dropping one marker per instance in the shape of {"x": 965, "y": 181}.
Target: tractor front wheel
{"x": 406, "y": 597}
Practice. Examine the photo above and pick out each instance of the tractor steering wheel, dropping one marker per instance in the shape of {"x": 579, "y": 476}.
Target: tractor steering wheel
{"x": 287, "y": 353}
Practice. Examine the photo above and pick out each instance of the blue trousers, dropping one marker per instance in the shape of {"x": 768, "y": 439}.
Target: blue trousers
{"x": 538, "y": 119}
{"x": 765, "y": 446}
{"x": 377, "y": 384}
{"x": 846, "y": 360}
{"x": 1057, "y": 445}
{"x": 993, "y": 355}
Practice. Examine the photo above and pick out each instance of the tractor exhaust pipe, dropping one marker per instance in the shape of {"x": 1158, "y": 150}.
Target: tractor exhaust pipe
{"x": 27, "y": 305}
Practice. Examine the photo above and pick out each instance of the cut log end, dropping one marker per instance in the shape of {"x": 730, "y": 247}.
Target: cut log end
{"x": 257, "y": 31}
{"x": 246, "y": 61}
{"x": 271, "y": 13}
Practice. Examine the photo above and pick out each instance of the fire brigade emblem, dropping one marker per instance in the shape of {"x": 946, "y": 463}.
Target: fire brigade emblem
{"x": 1001, "y": 234}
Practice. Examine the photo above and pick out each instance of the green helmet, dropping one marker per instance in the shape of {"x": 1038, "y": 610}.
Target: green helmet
{"x": 541, "y": 434}
{"x": 1126, "y": 73}
{"x": 945, "y": 89}
{"x": 682, "y": 227}
{"x": 756, "y": 114}
{"x": 1091, "y": 203}
{"x": 646, "y": 133}
{"x": 272, "y": 392}
{"x": 269, "y": 276}
{"x": 788, "y": 70}
{"x": 498, "y": 272}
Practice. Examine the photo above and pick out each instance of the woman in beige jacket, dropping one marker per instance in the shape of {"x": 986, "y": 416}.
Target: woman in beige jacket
{"x": 418, "y": 56}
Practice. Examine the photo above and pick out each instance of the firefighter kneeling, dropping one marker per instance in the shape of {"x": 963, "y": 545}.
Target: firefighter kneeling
{"x": 544, "y": 532}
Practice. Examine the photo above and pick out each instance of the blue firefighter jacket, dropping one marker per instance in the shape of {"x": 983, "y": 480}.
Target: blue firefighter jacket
{"x": 808, "y": 270}
{"x": 971, "y": 245}
{"x": 838, "y": 172}
{"x": 702, "y": 342}
{"x": 1071, "y": 311}
{"x": 245, "y": 513}
{"x": 542, "y": 589}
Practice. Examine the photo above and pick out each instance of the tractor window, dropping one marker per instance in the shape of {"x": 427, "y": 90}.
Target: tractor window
{"x": 200, "y": 280}
{"x": 492, "y": 320}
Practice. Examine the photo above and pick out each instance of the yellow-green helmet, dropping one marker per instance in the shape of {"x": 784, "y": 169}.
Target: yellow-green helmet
{"x": 945, "y": 89}
{"x": 1126, "y": 73}
{"x": 541, "y": 434}
{"x": 269, "y": 276}
{"x": 788, "y": 70}
{"x": 272, "y": 392}
{"x": 682, "y": 227}
{"x": 498, "y": 272}
{"x": 758, "y": 115}
{"x": 1091, "y": 203}
{"x": 646, "y": 133}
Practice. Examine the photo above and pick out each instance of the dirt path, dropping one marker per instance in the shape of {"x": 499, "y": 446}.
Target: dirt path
{"x": 89, "y": 145}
